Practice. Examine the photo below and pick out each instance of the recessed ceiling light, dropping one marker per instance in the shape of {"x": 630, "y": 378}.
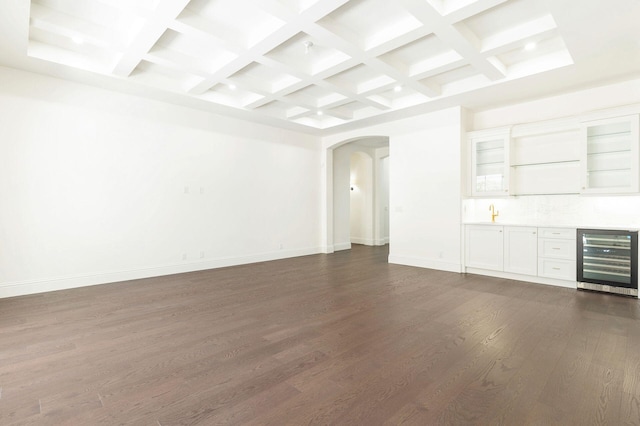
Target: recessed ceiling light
{"x": 320, "y": 113}
{"x": 397, "y": 89}
{"x": 77, "y": 39}
{"x": 232, "y": 86}
{"x": 530, "y": 46}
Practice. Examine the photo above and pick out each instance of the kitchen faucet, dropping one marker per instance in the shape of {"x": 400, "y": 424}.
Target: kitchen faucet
{"x": 494, "y": 212}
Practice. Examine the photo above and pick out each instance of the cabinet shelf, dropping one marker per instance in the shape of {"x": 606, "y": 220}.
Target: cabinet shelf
{"x": 626, "y": 169}
{"x": 490, "y": 154}
{"x": 610, "y": 159}
{"x": 613, "y": 151}
{"x": 490, "y": 149}
{"x": 608, "y": 135}
{"x": 547, "y": 163}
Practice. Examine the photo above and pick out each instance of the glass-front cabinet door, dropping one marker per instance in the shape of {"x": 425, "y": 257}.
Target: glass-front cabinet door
{"x": 610, "y": 156}
{"x": 490, "y": 164}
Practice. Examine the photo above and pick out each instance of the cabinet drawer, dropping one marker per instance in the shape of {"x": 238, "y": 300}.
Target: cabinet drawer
{"x": 557, "y": 249}
{"x": 560, "y": 233}
{"x": 556, "y": 268}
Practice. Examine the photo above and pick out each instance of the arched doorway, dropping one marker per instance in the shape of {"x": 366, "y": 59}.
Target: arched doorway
{"x": 360, "y": 193}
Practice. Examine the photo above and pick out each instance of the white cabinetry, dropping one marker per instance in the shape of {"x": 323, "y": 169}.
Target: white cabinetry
{"x": 593, "y": 154}
{"x": 557, "y": 253}
{"x": 490, "y": 163}
{"x": 610, "y": 157}
{"x": 484, "y": 247}
{"x": 521, "y": 250}
{"x": 544, "y": 255}
{"x": 545, "y": 159}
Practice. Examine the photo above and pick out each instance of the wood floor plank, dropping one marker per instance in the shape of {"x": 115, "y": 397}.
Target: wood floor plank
{"x": 344, "y": 339}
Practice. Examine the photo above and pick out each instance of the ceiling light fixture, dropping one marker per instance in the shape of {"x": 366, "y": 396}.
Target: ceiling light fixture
{"x": 307, "y": 46}
{"x": 232, "y": 86}
{"x": 397, "y": 89}
{"x": 320, "y": 113}
{"x": 77, "y": 39}
{"x": 530, "y": 46}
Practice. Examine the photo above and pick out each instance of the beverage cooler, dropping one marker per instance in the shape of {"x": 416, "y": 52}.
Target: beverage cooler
{"x": 608, "y": 261}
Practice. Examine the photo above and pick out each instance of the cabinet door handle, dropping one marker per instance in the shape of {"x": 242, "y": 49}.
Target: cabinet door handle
{"x": 557, "y": 269}
{"x": 555, "y": 233}
{"x": 555, "y": 248}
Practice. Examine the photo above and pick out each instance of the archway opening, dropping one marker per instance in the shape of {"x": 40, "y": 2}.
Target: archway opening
{"x": 360, "y": 188}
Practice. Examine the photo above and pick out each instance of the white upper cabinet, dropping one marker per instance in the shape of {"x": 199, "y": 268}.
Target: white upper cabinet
{"x": 490, "y": 163}
{"x": 610, "y": 157}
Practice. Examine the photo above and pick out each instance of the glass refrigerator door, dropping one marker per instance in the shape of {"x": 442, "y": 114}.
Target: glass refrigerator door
{"x": 607, "y": 258}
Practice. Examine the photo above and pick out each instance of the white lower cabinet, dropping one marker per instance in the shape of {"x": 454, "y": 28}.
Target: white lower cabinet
{"x": 484, "y": 247}
{"x": 557, "y": 253}
{"x": 522, "y": 250}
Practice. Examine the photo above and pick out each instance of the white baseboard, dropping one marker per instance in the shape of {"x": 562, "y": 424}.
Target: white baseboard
{"x": 421, "y": 262}
{"x": 342, "y": 246}
{"x": 527, "y": 278}
{"x": 382, "y": 241}
{"x": 11, "y": 289}
{"x": 363, "y": 241}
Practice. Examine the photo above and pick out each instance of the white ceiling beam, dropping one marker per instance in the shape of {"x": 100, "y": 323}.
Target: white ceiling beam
{"x": 459, "y": 37}
{"x": 341, "y": 113}
{"x": 149, "y": 35}
{"x": 400, "y": 41}
{"x": 322, "y": 8}
{"x": 193, "y": 24}
{"x": 400, "y": 78}
{"x": 257, "y": 51}
{"x": 534, "y": 28}
{"x": 436, "y": 65}
{"x": 438, "y": 69}
{"x": 180, "y": 62}
{"x": 461, "y": 12}
{"x": 68, "y": 26}
{"x": 130, "y": 7}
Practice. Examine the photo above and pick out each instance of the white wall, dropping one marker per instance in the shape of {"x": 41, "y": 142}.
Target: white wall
{"x": 341, "y": 194}
{"x": 424, "y": 185}
{"x": 563, "y": 105}
{"x": 383, "y": 200}
{"x": 361, "y": 199}
{"x": 98, "y": 187}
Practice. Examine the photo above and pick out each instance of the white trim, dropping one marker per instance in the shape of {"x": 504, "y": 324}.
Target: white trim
{"x": 342, "y": 246}
{"x": 364, "y": 241}
{"x": 382, "y": 241}
{"x": 20, "y": 288}
{"x": 425, "y": 263}
{"x": 518, "y": 277}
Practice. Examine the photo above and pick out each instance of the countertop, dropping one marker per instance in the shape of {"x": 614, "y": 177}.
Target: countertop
{"x": 549, "y": 225}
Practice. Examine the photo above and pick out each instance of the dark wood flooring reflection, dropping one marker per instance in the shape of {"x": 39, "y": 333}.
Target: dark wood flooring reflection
{"x": 327, "y": 339}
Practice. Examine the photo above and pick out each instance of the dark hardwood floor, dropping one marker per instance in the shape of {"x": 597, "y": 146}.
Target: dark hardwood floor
{"x": 327, "y": 339}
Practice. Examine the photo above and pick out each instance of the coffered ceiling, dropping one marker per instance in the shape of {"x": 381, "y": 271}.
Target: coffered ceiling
{"x": 324, "y": 65}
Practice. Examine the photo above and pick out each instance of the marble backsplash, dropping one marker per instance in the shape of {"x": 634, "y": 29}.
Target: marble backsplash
{"x": 557, "y": 210}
